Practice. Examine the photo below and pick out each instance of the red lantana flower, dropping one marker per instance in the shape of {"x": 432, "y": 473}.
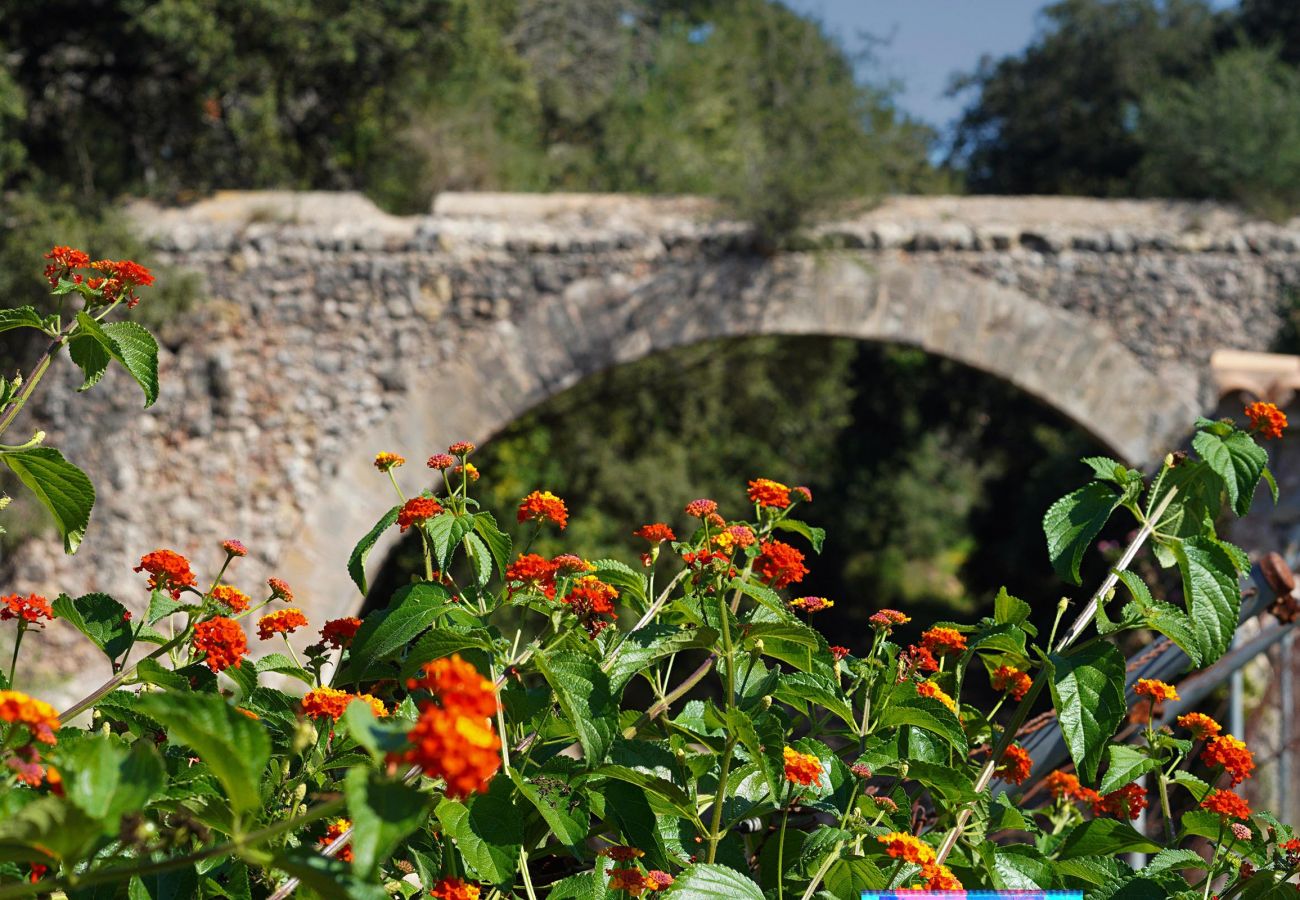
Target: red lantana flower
{"x": 30, "y": 609}
{"x": 338, "y": 633}
{"x": 336, "y": 830}
{"x": 1267, "y": 419}
{"x": 40, "y": 718}
{"x": 1232, "y": 754}
{"x": 592, "y": 601}
{"x": 700, "y": 509}
{"x": 232, "y": 597}
{"x": 1015, "y": 766}
{"x": 222, "y": 640}
{"x": 1013, "y": 681}
{"x": 766, "y": 492}
{"x": 779, "y": 564}
{"x": 1226, "y": 804}
{"x": 168, "y": 571}
{"x": 1125, "y": 803}
{"x": 543, "y": 506}
{"x": 655, "y": 533}
{"x": 282, "y": 621}
{"x": 417, "y": 510}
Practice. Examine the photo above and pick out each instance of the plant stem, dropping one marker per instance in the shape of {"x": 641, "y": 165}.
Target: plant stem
{"x": 35, "y": 379}
{"x": 116, "y": 681}
{"x": 719, "y": 795}
{"x": 780, "y": 855}
{"x": 1164, "y": 806}
{"x": 18, "y": 642}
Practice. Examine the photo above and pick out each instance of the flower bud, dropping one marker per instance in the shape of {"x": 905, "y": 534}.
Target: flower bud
{"x": 766, "y": 702}
{"x": 304, "y": 736}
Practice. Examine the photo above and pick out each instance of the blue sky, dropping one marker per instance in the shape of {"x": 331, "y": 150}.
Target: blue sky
{"x": 929, "y": 40}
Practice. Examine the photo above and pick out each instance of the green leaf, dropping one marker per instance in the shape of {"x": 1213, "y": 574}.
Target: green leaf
{"x": 445, "y": 532}
{"x": 161, "y": 605}
{"x": 235, "y": 747}
{"x": 1271, "y": 482}
{"x": 582, "y": 690}
{"x": 651, "y": 784}
{"x": 130, "y": 344}
{"x": 437, "y": 643}
{"x": 1073, "y": 522}
{"x": 498, "y": 541}
{"x": 800, "y": 688}
{"x": 906, "y": 707}
{"x": 1105, "y": 837}
{"x": 386, "y": 632}
{"x": 487, "y": 832}
{"x": 567, "y": 816}
{"x": 379, "y": 737}
{"x": 48, "y": 827}
{"x": 100, "y": 618}
{"x": 383, "y": 811}
{"x": 283, "y": 665}
{"x": 1238, "y": 460}
{"x": 480, "y": 557}
{"x": 1176, "y": 625}
{"x": 91, "y": 357}
{"x": 20, "y": 317}
{"x": 357, "y": 561}
{"x": 765, "y": 749}
{"x": 62, "y": 488}
{"x": 1212, "y": 593}
{"x": 713, "y": 882}
{"x": 1107, "y": 469}
{"x": 847, "y": 879}
{"x": 1171, "y": 860}
{"x": 1195, "y": 786}
{"x": 1088, "y": 693}
{"x": 1093, "y": 870}
{"x": 328, "y": 878}
{"x": 150, "y": 671}
{"x": 107, "y": 779}
{"x": 1009, "y": 610}
{"x": 792, "y": 642}
{"x": 636, "y": 820}
{"x": 1125, "y": 764}
{"x": 1018, "y": 867}
{"x": 641, "y": 649}
{"x": 815, "y": 536}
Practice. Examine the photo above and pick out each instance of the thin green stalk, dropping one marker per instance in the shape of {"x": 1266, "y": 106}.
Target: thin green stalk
{"x": 17, "y": 404}
{"x": 117, "y": 680}
{"x": 1214, "y": 862}
{"x": 18, "y": 642}
{"x": 715, "y": 828}
{"x": 780, "y": 855}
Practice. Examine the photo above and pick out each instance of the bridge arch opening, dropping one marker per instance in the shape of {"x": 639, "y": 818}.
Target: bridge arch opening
{"x": 929, "y": 477}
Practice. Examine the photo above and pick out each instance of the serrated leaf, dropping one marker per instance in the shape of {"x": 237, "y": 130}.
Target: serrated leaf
{"x": 61, "y": 487}
{"x": 445, "y": 533}
{"x": 100, "y": 618}
{"x": 1108, "y": 469}
{"x": 234, "y": 747}
{"x": 48, "y": 827}
{"x": 1176, "y": 625}
{"x": 1018, "y": 867}
{"x": 130, "y": 344}
{"x": 437, "y": 643}
{"x": 765, "y": 749}
{"x": 906, "y": 707}
{"x": 1009, "y": 610}
{"x": 1088, "y": 694}
{"x": 108, "y": 779}
{"x": 1073, "y": 522}
{"x": 1169, "y": 860}
{"x": 480, "y": 557}
{"x": 801, "y": 688}
{"x": 641, "y": 649}
{"x": 498, "y": 541}
{"x": 1212, "y": 594}
{"x": 386, "y": 632}
{"x": 763, "y": 594}
{"x": 91, "y": 357}
{"x": 1236, "y": 459}
{"x": 1267, "y": 475}
{"x": 583, "y": 692}
{"x": 357, "y": 560}
{"x": 1105, "y": 837}
{"x": 20, "y": 317}
{"x": 487, "y": 832}
{"x": 383, "y": 811}
{"x": 283, "y": 665}
{"x": 1125, "y": 764}
{"x": 1195, "y": 786}
{"x": 713, "y": 882}
{"x": 815, "y": 536}
{"x": 567, "y": 816}
{"x": 161, "y": 605}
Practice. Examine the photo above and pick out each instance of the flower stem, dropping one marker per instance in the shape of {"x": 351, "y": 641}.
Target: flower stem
{"x": 18, "y": 642}
{"x": 780, "y": 855}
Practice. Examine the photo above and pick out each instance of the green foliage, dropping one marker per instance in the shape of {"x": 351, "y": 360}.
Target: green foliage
{"x": 1059, "y": 117}
{"x": 1230, "y": 134}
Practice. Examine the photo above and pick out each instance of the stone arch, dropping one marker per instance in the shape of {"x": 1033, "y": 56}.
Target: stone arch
{"x": 1067, "y": 360}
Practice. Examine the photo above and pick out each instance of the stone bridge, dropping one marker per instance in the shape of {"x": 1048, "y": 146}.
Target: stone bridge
{"x": 329, "y": 331}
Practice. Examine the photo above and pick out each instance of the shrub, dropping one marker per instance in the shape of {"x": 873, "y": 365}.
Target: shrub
{"x": 428, "y": 752}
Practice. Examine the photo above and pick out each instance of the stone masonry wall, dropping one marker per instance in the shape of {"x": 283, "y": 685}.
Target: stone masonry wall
{"x": 330, "y": 331}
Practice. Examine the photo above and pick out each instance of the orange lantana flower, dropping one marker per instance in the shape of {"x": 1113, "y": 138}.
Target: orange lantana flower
{"x": 40, "y": 718}
{"x": 282, "y": 621}
{"x": 766, "y": 492}
{"x": 168, "y": 571}
{"x": 1267, "y": 419}
{"x": 1232, "y": 754}
{"x": 942, "y": 641}
{"x": 901, "y": 845}
{"x": 231, "y": 597}
{"x": 1013, "y": 681}
{"x": 222, "y": 640}
{"x": 1015, "y": 766}
{"x": 801, "y": 768}
{"x": 1200, "y": 725}
{"x": 543, "y": 506}
{"x": 336, "y": 830}
{"x": 1226, "y": 804}
{"x": 779, "y": 564}
{"x": 1158, "y": 691}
